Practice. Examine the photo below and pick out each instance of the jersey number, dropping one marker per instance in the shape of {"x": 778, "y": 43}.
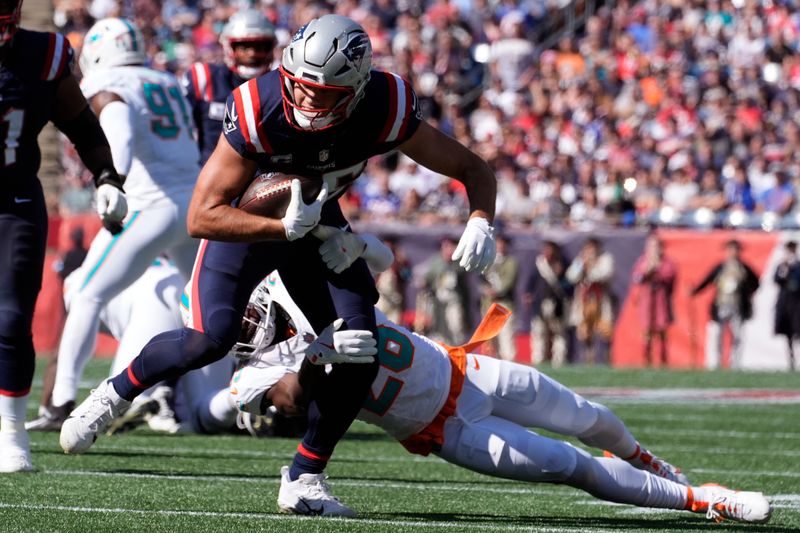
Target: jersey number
{"x": 165, "y": 125}
{"x": 395, "y": 352}
{"x": 13, "y": 119}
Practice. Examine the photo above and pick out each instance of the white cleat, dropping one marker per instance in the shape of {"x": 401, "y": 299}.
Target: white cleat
{"x": 309, "y": 495}
{"x": 15, "y": 452}
{"x": 91, "y": 418}
{"x": 740, "y": 506}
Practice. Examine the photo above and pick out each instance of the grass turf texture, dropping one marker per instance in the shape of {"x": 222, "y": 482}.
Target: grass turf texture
{"x": 143, "y": 481}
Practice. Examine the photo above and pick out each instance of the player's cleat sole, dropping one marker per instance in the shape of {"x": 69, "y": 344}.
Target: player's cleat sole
{"x": 15, "y": 452}
{"x": 137, "y": 415}
{"x": 309, "y": 495}
{"x": 721, "y": 504}
{"x": 92, "y": 417}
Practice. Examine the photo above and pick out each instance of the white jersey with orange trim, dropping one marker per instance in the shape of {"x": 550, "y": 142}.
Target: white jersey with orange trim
{"x": 165, "y": 154}
{"x": 413, "y": 381}
{"x": 412, "y": 384}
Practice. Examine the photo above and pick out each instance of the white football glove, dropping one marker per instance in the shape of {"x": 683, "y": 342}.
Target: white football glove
{"x": 300, "y": 218}
{"x": 348, "y": 346}
{"x": 111, "y": 206}
{"x": 340, "y": 248}
{"x": 476, "y": 248}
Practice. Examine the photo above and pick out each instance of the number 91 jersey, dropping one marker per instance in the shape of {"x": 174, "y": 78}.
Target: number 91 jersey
{"x": 164, "y": 151}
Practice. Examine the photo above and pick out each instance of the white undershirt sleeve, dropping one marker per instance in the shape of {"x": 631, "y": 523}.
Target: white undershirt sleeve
{"x": 116, "y": 119}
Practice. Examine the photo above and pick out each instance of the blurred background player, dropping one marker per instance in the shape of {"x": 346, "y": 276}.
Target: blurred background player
{"x": 36, "y": 86}
{"x": 145, "y": 308}
{"x": 322, "y": 114}
{"x": 735, "y": 282}
{"x": 474, "y": 411}
{"x": 654, "y": 278}
{"x": 146, "y": 118}
{"x": 548, "y": 294}
{"x": 787, "y": 317}
{"x": 248, "y": 40}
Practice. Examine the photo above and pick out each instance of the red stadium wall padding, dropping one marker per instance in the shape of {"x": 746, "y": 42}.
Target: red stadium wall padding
{"x": 694, "y": 254}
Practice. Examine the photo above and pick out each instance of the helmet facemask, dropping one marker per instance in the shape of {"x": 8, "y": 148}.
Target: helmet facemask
{"x": 314, "y": 119}
{"x": 264, "y": 323}
{"x": 248, "y": 26}
{"x": 10, "y": 13}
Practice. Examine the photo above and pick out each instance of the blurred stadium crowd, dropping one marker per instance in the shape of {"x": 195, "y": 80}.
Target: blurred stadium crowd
{"x": 661, "y": 111}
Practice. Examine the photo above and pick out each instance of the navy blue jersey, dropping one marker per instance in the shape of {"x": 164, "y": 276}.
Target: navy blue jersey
{"x": 257, "y": 128}
{"x": 207, "y": 87}
{"x": 29, "y": 76}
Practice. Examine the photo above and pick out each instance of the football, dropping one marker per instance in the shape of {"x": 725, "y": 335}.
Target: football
{"x": 268, "y": 195}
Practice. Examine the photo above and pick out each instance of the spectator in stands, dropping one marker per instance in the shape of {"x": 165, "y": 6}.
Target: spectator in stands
{"x": 780, "y": 198}
{"x": 548, "y": 294}
{"x": 446, "y": 295}
{"x": 392, "y": 284}
{"x": 787, "y": 306}
{"x": 654, "y": 281}
{"x": 592, "y": 312}
{"x": 735, "y": 282}
{"x": 498, "y": 285}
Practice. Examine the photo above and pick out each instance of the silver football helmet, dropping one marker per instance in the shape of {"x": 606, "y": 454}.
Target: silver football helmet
{"x": 334, "y": 53}
{"x": 248, "y": 26}
{"x": 112, "y": 42}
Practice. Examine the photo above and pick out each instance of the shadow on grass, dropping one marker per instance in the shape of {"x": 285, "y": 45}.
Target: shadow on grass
{"x": 681, "y": 522}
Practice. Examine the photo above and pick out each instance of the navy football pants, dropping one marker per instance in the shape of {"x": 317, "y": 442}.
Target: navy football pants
{"x": 23, "y": 237}
{"x": 223, "y": 279}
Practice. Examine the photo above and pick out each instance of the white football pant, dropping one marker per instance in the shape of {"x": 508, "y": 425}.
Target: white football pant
{"x": 488, "y": 434}
{"x": 112, "y": 264}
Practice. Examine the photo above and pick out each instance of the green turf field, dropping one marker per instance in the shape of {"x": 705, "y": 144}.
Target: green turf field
{"x": 140, "y": 481}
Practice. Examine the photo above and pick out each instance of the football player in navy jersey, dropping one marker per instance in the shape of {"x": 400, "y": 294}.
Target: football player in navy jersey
{"x": 247, "y": 40}
{"x": 36, "y": 86}
{"x": 322, "y": 114}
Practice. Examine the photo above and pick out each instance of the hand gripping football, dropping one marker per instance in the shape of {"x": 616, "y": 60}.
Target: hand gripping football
{"x": 268, "y": 195}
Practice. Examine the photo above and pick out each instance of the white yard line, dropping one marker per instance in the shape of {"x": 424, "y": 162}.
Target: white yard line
{"x": 413, "y": 485}
{"x": 455, "y": 525}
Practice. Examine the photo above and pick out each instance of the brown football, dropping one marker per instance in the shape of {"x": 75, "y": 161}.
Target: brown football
{"x": 269, "y": 193}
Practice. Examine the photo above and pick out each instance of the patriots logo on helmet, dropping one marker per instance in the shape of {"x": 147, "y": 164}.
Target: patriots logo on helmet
{"x": 356, "y": 49}
{"x": 299, "y": 34}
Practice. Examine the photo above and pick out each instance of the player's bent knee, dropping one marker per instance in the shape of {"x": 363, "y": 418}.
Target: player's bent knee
{"x": 199, "y": 350}
{"x": 554, "y": 462}
{"x": 605, "y": 423}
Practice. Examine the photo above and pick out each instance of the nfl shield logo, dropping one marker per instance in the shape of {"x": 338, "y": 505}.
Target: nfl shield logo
{"x": 323, "y": 155}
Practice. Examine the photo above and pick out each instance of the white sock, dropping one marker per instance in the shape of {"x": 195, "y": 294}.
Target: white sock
{"x": 12, "y": 413}
{"x": 77, "y": 346}
{"x": 617, "y": 481}
{"x": 218, "y": 413}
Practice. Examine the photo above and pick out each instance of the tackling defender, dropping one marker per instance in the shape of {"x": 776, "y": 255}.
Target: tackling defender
{"x": 36, "y": 86}
{"x": 147, "y": 121}
{"x": 472, "y": 411}
{"x": 322, "y": 114}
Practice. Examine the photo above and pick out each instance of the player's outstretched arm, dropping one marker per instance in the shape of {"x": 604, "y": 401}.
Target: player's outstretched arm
{"x": 443, "y": 154}
{"x": 223, "y": 178}
{"x": 74, "y": 117}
